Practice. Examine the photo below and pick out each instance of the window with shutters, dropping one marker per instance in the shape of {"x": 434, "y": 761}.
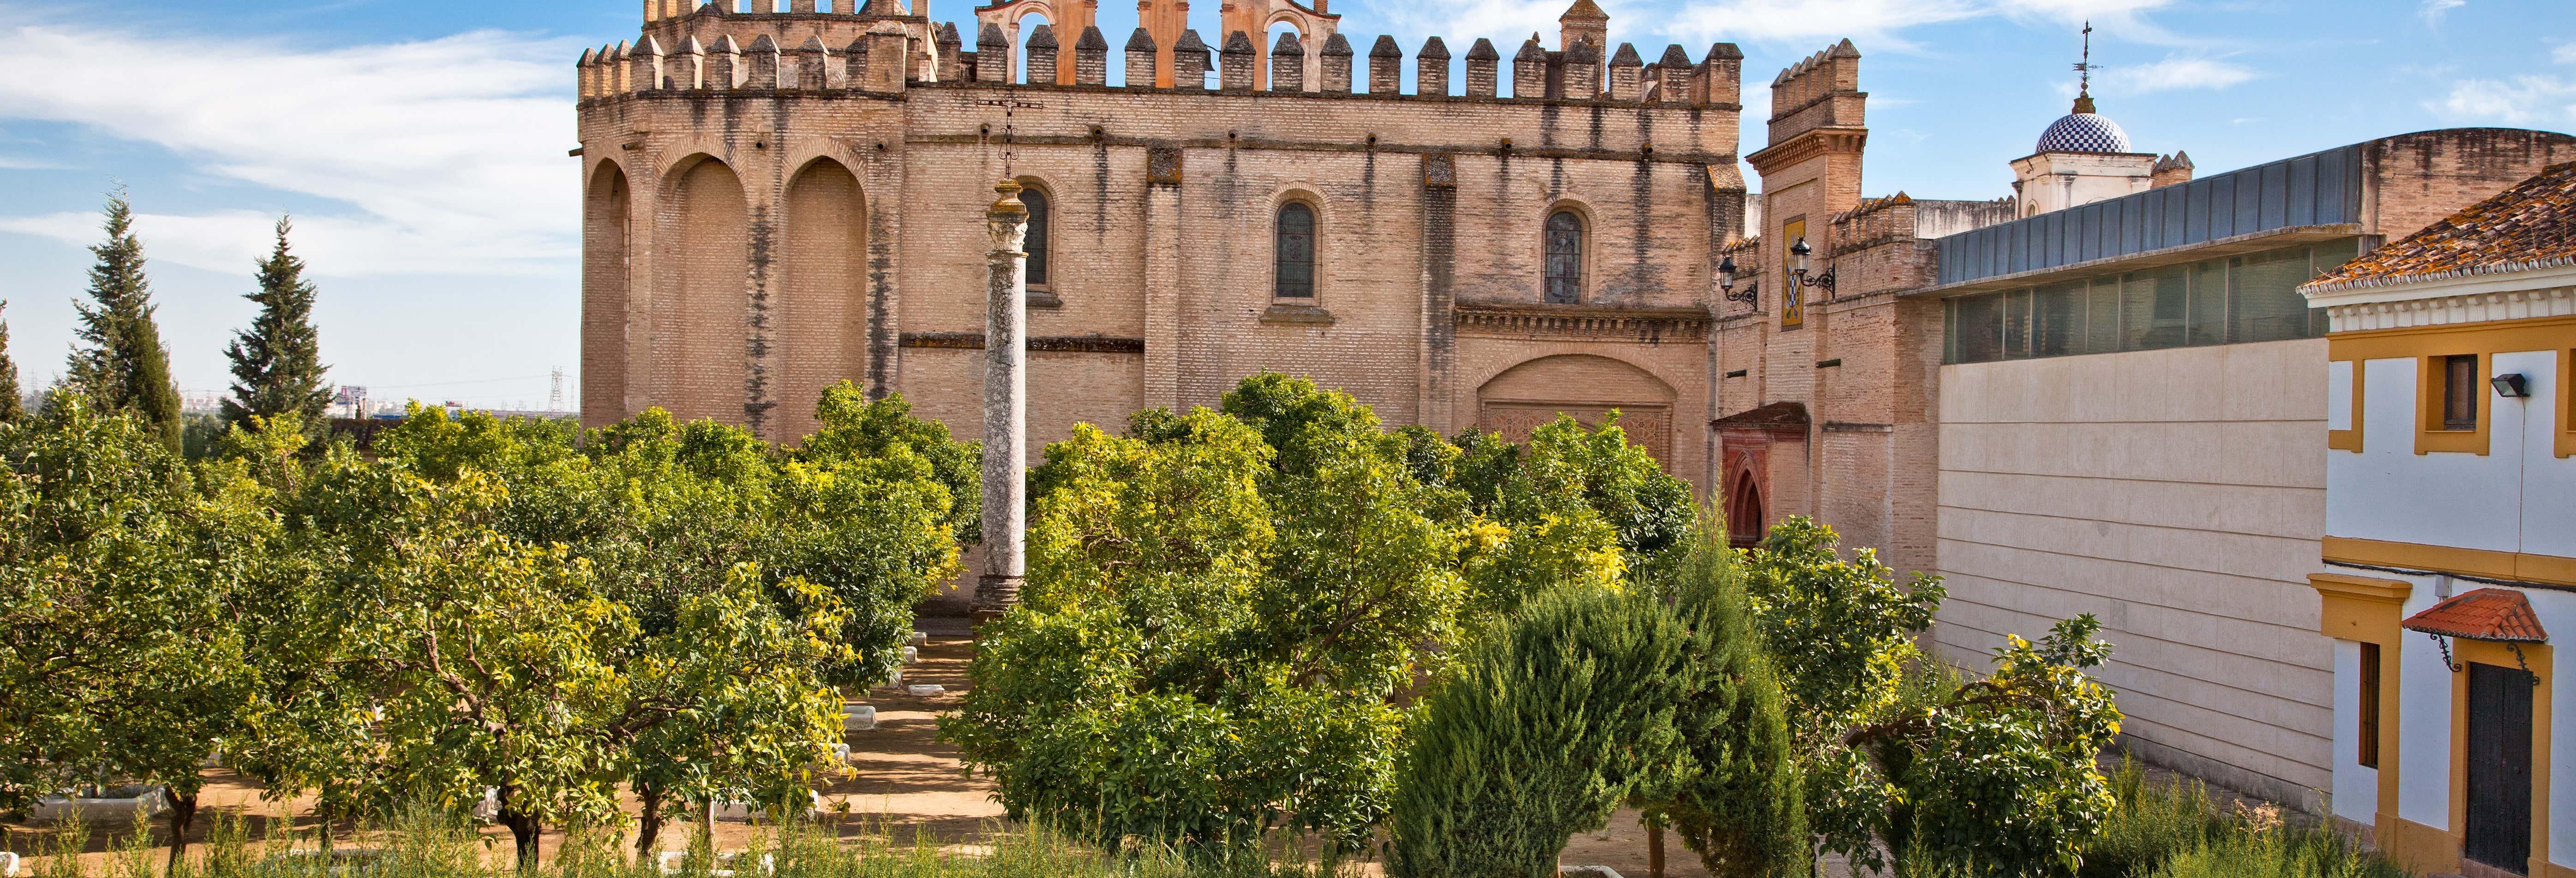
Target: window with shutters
{"x": 2368, "y": 745}
{"x": 2460, "y": 392}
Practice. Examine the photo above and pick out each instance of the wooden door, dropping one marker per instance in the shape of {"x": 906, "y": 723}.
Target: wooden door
{"x": 2499, "y": 766}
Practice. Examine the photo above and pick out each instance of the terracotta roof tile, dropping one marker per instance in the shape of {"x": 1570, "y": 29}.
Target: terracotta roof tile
{"x": 2500, "y": 614}
{"x": 2532, "y": 225}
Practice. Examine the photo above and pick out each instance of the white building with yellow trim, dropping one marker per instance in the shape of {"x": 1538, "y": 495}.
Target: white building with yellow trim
{"x": 2449, "y": 557}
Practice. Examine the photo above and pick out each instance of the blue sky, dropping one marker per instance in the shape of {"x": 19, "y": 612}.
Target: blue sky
{"x": 420, "y": 146}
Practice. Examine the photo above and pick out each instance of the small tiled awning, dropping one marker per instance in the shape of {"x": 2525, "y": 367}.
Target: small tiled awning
{"x": 2498, "y": 614}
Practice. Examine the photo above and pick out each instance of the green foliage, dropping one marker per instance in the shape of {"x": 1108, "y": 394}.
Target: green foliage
{"x": 420, "y": 841}
{"x": 1843, "y": 630}
{"x": 277, "y": 362}
{"x": 855, "y": 428}
{"x": 13, "y": 401}
{"x": 2150, "y": 823}
{"x": 2001, "y": 775}
{"x": 122, "y": 661}
{"x": 1541, "y": 733}
{"x": 666, "y": 604}
{"x": 2177, "y": 830}
{"x": 123, "y": 366}
{"x": 1224, "y": 609}
{"x": 1138, "y": 691}
{"x": 435, "y": 656}
{"x": 1562, "y": 496}
{"x": 1591, "y": 697}
{"x": 1742, "y": 802}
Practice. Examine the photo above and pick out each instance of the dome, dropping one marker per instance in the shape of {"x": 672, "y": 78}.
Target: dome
{"x": 2083, "y": 132}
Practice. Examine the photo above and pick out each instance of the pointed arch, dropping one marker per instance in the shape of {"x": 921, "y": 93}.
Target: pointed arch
{"x": 701, "y": 328}
{"x": 607, "y": 254}
{"x": 1743, "y": 509}
{"x": 823, "y": 316}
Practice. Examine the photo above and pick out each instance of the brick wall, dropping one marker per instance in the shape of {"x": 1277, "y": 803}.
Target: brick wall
{"x": 765, "y": 275}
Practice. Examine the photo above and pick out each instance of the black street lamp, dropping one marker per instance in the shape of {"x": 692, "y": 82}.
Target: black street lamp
{"x": 1798, "y": 268}
{"x": 1726, "y": 283}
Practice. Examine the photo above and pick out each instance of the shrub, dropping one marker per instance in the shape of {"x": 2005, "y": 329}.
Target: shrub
{"x": 1541, "y": 733}
{"x": 1225, "y": 608}
{"x": 2000, "y": 775}
{"x": 1742, "y": 802}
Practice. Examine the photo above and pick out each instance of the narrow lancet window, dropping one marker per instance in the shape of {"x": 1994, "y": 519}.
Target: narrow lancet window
{"x": 1036, "y": 243}
{"x": 1564, "y": 258}
{"x": 1294, "y": 276}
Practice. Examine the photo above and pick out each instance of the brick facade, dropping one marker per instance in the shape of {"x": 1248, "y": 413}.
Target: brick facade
{"x": 747, "y": 246}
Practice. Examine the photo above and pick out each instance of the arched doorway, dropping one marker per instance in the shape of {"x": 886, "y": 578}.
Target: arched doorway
{"x": 1743, "y": 511}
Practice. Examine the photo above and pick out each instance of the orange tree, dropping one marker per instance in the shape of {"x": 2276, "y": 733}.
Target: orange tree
{"x": 1226, "y": 610}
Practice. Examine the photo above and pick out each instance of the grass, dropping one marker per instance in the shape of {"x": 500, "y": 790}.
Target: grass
{"x": 427, "y": 844}
{"x": 2177, "y": 830}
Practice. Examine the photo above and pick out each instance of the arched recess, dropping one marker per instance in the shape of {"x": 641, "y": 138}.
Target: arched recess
{"x": 1255, "y": 18}
{"x": 1585, "y": 387}
{"x": 1068, "y": 23}
{"x": 701, "y": 327}
{"x": 607, "y": 248}
{"x": 1743, "y": 509}
{"x": 823, "y": 316}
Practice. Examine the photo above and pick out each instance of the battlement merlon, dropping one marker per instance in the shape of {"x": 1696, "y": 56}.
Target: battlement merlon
{"x": 934, "y": 51}
{"x": 1680, "y": 143}
{"x": 672, "y": 24}
{"x": 721, "y": 51}
{"x": 1821, "y": 91}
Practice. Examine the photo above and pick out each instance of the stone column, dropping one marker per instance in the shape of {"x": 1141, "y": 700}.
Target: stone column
{"x": 1005, "y": 406}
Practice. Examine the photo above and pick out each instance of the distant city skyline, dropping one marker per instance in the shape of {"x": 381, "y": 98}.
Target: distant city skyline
{"x": 421, "y": 147}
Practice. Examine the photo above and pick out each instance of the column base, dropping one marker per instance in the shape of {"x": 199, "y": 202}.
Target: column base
{"x": 995, "y": 595}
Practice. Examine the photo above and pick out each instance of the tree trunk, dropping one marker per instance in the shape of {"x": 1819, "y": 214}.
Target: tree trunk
{"x": 709, "y": 813}
{"x": 1654, "y": 849}
{"x": 523, "y": 828}
{"x": 183, "y": 813}
{"x": 648, "y": 827}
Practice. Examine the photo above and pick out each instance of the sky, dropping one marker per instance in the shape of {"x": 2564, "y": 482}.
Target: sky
{"x": 420, "y": 146}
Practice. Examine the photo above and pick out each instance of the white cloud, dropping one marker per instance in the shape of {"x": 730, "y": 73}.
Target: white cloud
{"x": 2173, "y": 73}
{"x": 2522, "y": 99}
{"x": 1873, "y": 23}
{"x": 23, "y": 163}
{"x": 448, "y": 152}
{"x": 2433, "y": 10}
{"x": 1502, "y": 21}
{"x": 2564, "y": 54}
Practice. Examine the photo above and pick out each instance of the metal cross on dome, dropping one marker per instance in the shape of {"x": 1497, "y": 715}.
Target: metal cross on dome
{"x": 2085, "y": 68}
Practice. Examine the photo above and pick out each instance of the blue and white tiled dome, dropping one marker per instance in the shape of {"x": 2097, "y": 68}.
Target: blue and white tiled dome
{"x": 2084, "y": 132}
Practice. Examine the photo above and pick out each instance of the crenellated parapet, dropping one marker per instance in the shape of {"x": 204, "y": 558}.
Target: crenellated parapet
{"x": 1875, "y": 221}
{"x": 718, "y": 47}
{"x": 1819, "y": 92}
{"x": 674, "y": 23}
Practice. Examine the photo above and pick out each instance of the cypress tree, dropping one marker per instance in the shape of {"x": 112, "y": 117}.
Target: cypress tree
{"x": 12, "y": 405}
{"x": 1541, "y": 734}
{"x": 124, "y": 367}
{"x": 277, "y": 362}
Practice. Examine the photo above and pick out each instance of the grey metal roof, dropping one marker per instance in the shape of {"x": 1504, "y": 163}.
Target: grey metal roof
{"x": 2320, "y": 188}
